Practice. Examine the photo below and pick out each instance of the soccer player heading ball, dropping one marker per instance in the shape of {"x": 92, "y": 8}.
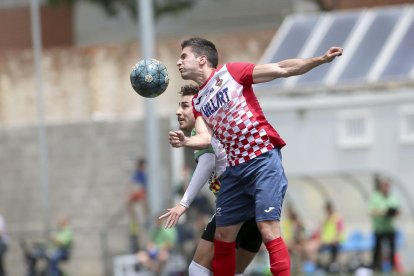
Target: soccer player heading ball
{"x": 254, "y": 183}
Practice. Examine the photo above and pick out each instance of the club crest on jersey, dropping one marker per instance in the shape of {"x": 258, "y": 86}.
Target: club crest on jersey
{"x": 219, "y": 81}
{"x": 220, "y": 98}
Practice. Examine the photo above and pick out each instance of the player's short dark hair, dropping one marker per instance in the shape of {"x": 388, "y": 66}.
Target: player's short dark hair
{"x": 202, "y": 47}
{"x": 189, "y": 90}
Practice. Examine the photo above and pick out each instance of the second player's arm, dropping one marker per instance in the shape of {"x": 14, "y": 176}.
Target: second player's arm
{"x": 205, "y": 167}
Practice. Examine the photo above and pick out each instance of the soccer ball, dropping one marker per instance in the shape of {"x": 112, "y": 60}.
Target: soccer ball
{"x": 149, "y": 78}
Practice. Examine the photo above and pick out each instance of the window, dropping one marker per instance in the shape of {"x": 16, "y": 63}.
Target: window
{"x": 407, "y": 124}
{"x": 355, "y": 128}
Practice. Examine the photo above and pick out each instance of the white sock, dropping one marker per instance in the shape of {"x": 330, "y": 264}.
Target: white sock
{"x": 238, "y": 274}
{"x": 198, "y": 270}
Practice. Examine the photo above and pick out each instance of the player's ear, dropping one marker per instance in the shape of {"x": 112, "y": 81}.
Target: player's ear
{"x": 202, "y": 60}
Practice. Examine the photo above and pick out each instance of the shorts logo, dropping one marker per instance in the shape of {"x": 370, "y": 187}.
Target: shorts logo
{"x": 270, "y": 209}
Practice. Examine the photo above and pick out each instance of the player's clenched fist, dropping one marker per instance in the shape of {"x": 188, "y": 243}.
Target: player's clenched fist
{"x": 332, "y": 53}
{"x": 176, "y": 138}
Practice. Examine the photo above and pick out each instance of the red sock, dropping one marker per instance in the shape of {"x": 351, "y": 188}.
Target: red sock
{"x": 279, "y": 257}
{"x": 224, "y": 260}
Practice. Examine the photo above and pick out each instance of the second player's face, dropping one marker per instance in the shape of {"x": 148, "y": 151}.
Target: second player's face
{"x": 185, "y": 114}
{"x": 188, "y": 64}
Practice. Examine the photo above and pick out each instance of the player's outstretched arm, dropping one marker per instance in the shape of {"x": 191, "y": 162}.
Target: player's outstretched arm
{"x": 201, "y": 140}
{"x": 292, "y": 67}
{"x": 205, "y": 167}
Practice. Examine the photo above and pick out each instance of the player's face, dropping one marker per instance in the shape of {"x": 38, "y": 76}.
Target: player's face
{"x": 188, "y": 64}
{"x": 185, "y": 114}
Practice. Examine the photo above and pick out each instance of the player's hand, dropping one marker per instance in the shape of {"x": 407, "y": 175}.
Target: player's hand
{"x": 176, "y": 138}
{"x": 332, "y": 53}
{"x": 173, "y": 215}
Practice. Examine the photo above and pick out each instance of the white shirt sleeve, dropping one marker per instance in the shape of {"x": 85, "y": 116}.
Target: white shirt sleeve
{"x": 205, "y": 167}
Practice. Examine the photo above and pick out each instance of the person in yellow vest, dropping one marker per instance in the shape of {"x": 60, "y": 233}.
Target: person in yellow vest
{"x": 332, "y": 234}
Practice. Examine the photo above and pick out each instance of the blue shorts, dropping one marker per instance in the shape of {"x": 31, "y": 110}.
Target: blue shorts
{"x": 252, "y": 189}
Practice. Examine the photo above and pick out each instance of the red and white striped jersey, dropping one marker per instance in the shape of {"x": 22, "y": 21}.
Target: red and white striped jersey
{"x": 229, "y": 106}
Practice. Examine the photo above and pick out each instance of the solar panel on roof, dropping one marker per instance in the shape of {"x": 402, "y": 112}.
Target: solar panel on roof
{"x": 295, "y": 37}
{"x": 369, "y": 48}
{"x": 336, "y": 35}
{"x": 374, "y": 54}
{"x": 402, "y": 61}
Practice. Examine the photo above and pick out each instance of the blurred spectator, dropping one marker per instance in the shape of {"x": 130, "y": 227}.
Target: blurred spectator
{"x": 3, "y": 245}
{"x": 158, "y": 248}
{"x": 133, "y": 237}
{"x": 383, "y": 208}
{"x": 293, "y": 231}
{"x": 137, "y": 197}
{"x": 138, "y": 192}
{"x": 62, "y": 241}
{"x": 331, "y": 236}
{"x": 33, "y": 254}
{"x": 60, "y": 250}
